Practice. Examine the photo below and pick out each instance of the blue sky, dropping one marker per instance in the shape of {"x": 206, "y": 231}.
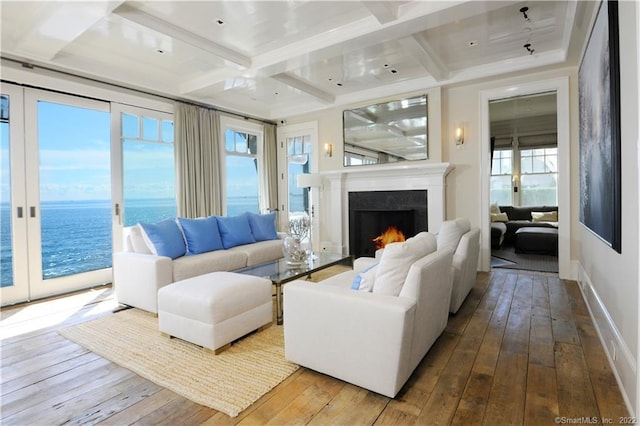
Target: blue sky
{"x": 75, "y": 159}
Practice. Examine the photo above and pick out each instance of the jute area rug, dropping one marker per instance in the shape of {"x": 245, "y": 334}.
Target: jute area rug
{"x": 229, "y": 382}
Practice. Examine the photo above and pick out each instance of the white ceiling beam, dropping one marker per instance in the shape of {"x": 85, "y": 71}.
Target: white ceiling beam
{"x": 412, "y": 17}
{"x": 302, "y": 85}
{"x": 293, "y": 51}
{"x": 52, "y": 30}
{"x": 568, "y": 25}
{"x": 384, "y": 11}
{"x": 418, "y": 46}
{"x": 232, "y": 57}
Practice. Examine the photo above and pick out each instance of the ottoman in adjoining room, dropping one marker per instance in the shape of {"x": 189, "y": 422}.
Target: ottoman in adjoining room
{"x": 536, "y": 240}
{"x": 214, "y": 309}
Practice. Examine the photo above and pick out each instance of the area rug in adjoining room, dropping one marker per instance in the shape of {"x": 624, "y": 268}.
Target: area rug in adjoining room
{"x": 228, "y": 382}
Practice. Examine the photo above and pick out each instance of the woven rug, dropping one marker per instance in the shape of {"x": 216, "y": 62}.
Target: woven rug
{"x": 228, "y": 382}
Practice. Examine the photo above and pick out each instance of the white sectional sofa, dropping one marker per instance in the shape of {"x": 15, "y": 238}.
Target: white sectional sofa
{"x": 138, "y": 274}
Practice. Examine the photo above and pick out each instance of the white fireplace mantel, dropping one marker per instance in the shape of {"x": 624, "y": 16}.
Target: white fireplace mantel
{"x": 417, "y": 175}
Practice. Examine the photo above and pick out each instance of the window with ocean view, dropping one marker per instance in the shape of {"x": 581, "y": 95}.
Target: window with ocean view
{"x": 6, "y": 252}
{"x": 149, "y": 186}
{"x": 75, "y": 189}
{"x": 242, "y": 162}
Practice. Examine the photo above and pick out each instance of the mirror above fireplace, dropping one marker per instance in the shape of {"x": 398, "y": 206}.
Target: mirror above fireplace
{"x": 386, "y": 132}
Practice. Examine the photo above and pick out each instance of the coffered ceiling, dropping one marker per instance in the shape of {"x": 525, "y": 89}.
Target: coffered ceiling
{"x": 273, "y": 59}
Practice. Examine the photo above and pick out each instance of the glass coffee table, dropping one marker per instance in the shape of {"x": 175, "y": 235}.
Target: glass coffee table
{"x": 279, "y": 272}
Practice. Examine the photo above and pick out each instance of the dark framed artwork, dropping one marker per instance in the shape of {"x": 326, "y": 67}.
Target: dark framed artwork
{"x": 599, "y": 109}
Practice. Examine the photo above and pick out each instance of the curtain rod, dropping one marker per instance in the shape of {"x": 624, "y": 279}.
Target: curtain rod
{"x": 31, "y": 66}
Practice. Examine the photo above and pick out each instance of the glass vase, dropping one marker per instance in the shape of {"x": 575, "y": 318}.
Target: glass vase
{"x": 295, "y": 251}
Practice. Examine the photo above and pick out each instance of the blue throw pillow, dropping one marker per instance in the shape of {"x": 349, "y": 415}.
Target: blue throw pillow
{"x": 165, "y": 237}
{"x": 201, "y": 234}
{"x": 263, "y": 226}
{"x": 365, "y": 279}
{"x": 235, "y": 230}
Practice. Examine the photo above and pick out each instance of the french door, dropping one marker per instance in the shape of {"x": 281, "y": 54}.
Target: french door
{"x": 55, "y": 194}
{"x": 297, "y": 144}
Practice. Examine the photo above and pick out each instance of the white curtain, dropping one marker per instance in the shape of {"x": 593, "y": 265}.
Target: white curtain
{"x": 197, "y": 153}
{"x": 271, "y": 166}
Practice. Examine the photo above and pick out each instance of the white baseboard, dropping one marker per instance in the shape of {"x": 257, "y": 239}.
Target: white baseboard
{"x": 620, "y": 357}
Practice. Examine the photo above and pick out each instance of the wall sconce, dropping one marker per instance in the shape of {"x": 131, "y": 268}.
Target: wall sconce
{"x": 328, "y": 149}
{"x": 459, "y": 135}
{"x": 515, "y": 179}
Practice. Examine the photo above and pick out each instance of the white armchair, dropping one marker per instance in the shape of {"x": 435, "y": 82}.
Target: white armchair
{"x": 372, "y": 340}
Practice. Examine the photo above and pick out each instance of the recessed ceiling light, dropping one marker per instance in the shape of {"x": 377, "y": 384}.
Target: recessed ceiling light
{"x": 393, "y": 71}
{"x": 473, "y": 43}
{"x": 339, "y": 84}
{"x": 160, "y": 51}
{"x": 220, "y": 22}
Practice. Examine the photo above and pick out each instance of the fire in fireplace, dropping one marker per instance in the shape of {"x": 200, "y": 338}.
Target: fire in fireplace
{"x": 391, "y": 235}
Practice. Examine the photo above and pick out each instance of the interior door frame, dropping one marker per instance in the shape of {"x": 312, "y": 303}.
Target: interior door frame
{"x": 561, "y": 87}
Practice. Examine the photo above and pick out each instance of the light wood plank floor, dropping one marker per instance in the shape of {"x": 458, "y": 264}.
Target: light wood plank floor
{"x": 521, "y": 350}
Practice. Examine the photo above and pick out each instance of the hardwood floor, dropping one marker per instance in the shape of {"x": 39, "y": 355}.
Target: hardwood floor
{"x": 521, "y": 350}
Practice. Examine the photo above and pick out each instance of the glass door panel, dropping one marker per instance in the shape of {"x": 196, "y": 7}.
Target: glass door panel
{"x": 6, "y": 233}
{"x": 68, "y": 169}
{"x": 13, "y": 235}
{"x": 75, "y": 189}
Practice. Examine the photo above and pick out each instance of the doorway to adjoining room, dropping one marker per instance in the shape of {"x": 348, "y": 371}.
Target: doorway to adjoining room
{"x": 524, "y": 182}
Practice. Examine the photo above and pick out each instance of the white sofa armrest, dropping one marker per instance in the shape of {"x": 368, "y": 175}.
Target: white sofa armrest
{"x": 349, "y": 334}
{"x": 137, "y": 278}
{"x": 465, "y": 262}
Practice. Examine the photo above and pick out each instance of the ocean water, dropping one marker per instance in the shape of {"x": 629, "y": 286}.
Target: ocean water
{"x": 76, "y": 235}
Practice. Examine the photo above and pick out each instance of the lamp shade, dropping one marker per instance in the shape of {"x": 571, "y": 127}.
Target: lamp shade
{"x": 309, "y": 180}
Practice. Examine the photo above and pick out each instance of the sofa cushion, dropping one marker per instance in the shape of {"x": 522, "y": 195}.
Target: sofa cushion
{"x": 494, "y": 208}
{"x": 211, "y": 261}
{"x": 396, "y": 260}
{"x": 450, "y": 233}
{"x": 499, "y": 217}
{"x": 137, "y": 240}
{"x": 235, "y": 230}
{"x": 201, "y": 234}
{"x": 164, "y": 238}
{"x": 260, "y": 252}
{"x": 544, "y": 216}
{"x": 263, "y": 226}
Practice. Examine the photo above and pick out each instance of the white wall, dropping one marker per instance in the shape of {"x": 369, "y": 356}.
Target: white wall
{"x": 609, "y": 281}
{"x": 610, "y": 278}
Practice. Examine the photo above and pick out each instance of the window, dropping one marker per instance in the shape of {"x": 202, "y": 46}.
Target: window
{"x": 243, "y": 149}
{"x": 539, "y": 177}
{"x": 149, "y": 187}
{"x": 501, "y": 175}
{"x": 298, "y": 156}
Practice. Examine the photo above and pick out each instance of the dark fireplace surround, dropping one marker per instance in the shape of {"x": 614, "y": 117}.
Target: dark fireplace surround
{"x": 373, "y": 212}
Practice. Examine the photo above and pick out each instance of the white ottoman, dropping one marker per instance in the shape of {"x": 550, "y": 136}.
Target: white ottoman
{"x": 214, "y": 309}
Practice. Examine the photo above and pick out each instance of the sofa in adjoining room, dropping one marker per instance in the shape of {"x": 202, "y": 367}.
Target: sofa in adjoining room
{"x": 172, "y": 250}
{"x": 507, "y": 220}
